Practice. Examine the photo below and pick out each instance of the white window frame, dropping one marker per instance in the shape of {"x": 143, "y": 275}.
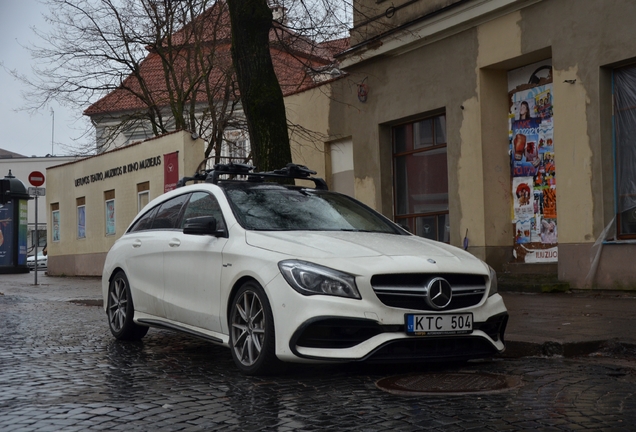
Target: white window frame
{"x": 139, "y": 194}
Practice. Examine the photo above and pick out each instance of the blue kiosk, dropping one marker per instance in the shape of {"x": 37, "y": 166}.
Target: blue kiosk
{"x": 13, "y": 225}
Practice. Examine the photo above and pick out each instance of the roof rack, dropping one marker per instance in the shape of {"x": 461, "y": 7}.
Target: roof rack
{"x": 291, "y": 171}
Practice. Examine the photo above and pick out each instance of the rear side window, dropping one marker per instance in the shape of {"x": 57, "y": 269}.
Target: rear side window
{"x": 168, "y": 216}
{"x": 145, "y": 222}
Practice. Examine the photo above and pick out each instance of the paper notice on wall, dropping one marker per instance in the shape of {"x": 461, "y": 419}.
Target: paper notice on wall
{"x": 523, "y": 231}
{"x": 548, "y": 229}
{"x": 533, "y": 256}
{"x": 549, "y": 203}
{"x": 523, "y": 198}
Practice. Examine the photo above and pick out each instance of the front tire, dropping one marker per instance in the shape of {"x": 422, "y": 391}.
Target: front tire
{"x": 120, "y": 310}
{"x": 252, "y": 337}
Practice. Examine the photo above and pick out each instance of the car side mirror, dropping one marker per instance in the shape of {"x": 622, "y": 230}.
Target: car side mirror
{"x": 202, "y": 225}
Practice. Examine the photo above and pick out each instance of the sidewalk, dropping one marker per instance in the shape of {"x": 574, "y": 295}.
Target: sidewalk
{"x": 51, "y": 288}
{"x": 569, "y": 323}
{"x": 540, "y": 324}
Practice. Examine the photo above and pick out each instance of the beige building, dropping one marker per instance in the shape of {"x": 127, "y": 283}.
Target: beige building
{"x": 502, "y": 126}
{"x": 490, "y": 124}
{"x": 92, "y": 201}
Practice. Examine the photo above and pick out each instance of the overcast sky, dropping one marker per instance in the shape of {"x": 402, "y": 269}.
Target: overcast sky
{"x": 21, "y": 132}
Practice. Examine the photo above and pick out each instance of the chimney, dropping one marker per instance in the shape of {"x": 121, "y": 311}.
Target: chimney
{"x": 279, "y": 12}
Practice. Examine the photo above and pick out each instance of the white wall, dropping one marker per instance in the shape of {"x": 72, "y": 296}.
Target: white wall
{"x": 20, "y": 169}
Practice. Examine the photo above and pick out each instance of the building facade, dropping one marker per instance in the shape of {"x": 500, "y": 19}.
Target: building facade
{"x": 91, "y": 202}
{"x": 456, "y": 116}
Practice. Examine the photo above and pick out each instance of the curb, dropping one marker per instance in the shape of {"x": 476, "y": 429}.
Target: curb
{"x": 519, "y": 349}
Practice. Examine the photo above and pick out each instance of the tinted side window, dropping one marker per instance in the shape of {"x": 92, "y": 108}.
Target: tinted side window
{"x": 145, "y": 222}
{"x": 204, "y": 204}
{"x": 169, "y": 212}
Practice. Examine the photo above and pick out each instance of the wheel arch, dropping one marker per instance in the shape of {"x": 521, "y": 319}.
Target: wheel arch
{"x": 237, "y": 285}
{"x": 112, "y": 276}
{"x": 114, "y": 272}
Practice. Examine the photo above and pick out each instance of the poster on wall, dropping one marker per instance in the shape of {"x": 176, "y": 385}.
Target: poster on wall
{"x": 110, "y": 217}
{"x": 170, "y": 171}
{"x": 81, "y": 222}
{"x": 22, "y": 231}
{"x": 6, "y": 234}
{"x": 55, "y": 232}
{"x": 523, "y": 198}
{"x": 533, "y": 173}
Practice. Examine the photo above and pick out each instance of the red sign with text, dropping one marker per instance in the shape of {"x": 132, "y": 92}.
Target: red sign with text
{"x": 170, "y": 171}
{"x": 36, "y": 178}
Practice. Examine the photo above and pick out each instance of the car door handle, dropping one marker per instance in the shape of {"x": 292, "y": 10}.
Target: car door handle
{"x": 136, "y": 243}
{"x": 174, "y": 243}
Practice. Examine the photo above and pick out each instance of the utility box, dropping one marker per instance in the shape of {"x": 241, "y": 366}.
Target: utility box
{"x": 13, "y": 225}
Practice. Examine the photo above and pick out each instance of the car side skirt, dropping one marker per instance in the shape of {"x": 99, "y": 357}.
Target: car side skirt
{"x": 152, "y": 321}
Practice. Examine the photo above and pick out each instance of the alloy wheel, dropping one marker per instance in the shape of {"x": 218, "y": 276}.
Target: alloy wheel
{"x": 117, "y": 304}
{"x": 248, "y": 328}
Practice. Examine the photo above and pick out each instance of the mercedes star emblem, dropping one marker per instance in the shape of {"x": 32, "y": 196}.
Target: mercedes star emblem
{"x": 439, "y": 293}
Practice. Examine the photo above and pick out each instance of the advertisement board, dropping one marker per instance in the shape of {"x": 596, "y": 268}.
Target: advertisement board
{"x": 6, "y": 234}
{"x": 22, "y": 231}
{"x": 533, "y": 173}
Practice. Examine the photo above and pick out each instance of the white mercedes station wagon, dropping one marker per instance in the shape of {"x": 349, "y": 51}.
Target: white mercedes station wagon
{"x": 284, "y": 273}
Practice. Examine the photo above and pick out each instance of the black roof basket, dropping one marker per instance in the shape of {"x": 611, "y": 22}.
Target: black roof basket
{"x": 291, "y": 171}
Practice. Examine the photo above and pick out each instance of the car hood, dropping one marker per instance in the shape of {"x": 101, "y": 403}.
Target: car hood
{"x": 333, "y": 244}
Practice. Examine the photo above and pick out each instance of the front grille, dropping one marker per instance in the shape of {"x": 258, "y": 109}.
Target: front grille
{"x": 408, "y": 291}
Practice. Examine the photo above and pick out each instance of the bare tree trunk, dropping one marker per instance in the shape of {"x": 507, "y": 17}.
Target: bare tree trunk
{"x": 261, "y": 94}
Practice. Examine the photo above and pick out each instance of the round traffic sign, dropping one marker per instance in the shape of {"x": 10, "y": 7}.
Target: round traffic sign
{"x": 36, "y": 178}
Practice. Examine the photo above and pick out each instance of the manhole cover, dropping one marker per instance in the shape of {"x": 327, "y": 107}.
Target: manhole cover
{"x": 448, "y": 383}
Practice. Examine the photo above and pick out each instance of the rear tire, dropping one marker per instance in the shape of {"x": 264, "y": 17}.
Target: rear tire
{"x": 252, "y": 336}
{"x": 120, "y": 310}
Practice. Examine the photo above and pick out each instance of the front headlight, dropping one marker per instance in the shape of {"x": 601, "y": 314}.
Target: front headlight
{"x": 493, "y": 281}
{"x": 311, "y": 279}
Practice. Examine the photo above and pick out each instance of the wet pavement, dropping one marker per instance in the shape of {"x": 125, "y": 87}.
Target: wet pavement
{"x": 60, "y": 369}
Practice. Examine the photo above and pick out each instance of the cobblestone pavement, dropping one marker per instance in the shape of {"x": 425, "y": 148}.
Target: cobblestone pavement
{"x": 60, "y": 369}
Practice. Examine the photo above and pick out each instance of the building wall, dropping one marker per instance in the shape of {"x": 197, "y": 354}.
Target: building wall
{"x": 308, "y": 112}
{"x": 461, "y": 68}
{"x": 70, "y": 182}
{"x": 374, "y": 17}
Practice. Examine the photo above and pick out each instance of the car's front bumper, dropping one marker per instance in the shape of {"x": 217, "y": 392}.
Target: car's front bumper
{"x": 326, "y": 328}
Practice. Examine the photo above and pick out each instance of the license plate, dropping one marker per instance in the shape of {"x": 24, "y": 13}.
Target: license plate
{"x": 432, "y": 325}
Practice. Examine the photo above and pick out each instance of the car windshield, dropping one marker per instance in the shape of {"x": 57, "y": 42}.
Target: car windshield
{"x": 279, "y": 208}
